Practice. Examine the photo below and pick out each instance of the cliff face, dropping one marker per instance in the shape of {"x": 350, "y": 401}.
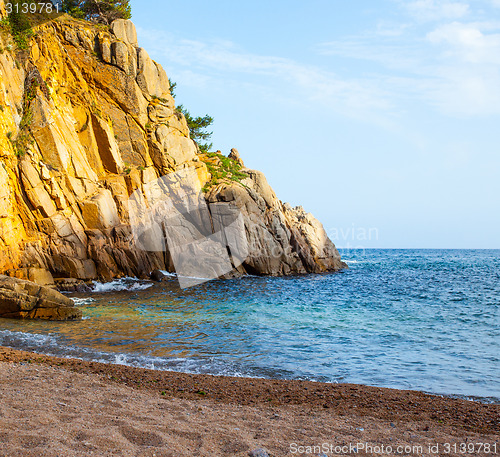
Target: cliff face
{"x": 86, "y": 119}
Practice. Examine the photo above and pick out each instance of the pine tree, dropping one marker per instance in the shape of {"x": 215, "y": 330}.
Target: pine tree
{"x": 74, "y": 8}
{"x": 103, "y": 11}
{"x": 197, "y": 126}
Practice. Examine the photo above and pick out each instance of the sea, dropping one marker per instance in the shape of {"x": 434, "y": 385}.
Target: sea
{"x": 425, "y": 320}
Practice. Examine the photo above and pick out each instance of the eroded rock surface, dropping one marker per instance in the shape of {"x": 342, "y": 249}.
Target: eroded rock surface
{"x": 87, "y": 120}
{"x": 21, "y": 299}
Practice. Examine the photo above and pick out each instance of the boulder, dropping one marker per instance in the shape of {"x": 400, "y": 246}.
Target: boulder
{"x": 20, "y": 299}
{"x": 151, "y": 77}
{"x": 40, "y": 276}
{"x": 100, "y": 211}
{"x": 105, "y": 47}
{"x": 125, "y": 30}
{"x": 124, "y": 57}
{"x": 176, "y": 146}
{"x": 235, "y": 155}
{"x": 72, "y": 285}
{"x": 158, "y": 276}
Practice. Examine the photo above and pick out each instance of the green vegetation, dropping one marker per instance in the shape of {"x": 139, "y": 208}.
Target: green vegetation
{"x": 222, "y": 168}
{"x": 173, "y": 85}
{"x": 96, "y": 111}
{"x": 159, "y": 99}
{"x": 19, "y": 26}
{"x": 100, "y": 11}
{"x": 24, "y": 137}
{"x": 197, "y": 126}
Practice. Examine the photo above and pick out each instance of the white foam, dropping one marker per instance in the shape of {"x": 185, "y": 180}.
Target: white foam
{"x": 82, "y": 301}
{"x": 129, "y": 284}
{"x": 8, "y": 337}
{"x": 175, "y": 275}
{"x": 167, "y": 273}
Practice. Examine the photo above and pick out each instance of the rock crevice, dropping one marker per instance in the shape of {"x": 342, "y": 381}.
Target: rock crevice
{"x": 89, "y": 119}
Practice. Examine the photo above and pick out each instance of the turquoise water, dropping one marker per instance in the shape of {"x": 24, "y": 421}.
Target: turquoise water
{"x": 411, "y": 319}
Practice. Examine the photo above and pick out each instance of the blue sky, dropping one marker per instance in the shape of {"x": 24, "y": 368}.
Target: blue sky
{"x": 381, "y": 118}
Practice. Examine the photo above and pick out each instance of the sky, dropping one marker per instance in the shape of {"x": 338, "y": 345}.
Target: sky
{"x": 382, "y": 118}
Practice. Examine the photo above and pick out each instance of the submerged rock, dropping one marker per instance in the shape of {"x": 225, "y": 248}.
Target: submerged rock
{"x": 158, "y": 276}
{"x": 20, "y": 299}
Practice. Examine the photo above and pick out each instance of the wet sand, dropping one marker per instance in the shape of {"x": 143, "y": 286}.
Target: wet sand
{"x": 66, "y": 407}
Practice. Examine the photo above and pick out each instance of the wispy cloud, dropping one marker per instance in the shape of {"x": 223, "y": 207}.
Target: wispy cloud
{"x": 222, "y": 62}
{"x": 436, "y": 10}
{"x": 452, "y": 65}
{"x": 433, "y": 53}
{"x": 468, "y": 67}
{"x": 468, "y": 42}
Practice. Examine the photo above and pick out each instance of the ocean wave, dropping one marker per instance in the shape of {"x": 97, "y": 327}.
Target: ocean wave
{"x": 167, "y": 273}
{"x": 26, "y": 341}
{"x": 349, "y": 261}
{"x": 52, "y": 346}
{"x": 123, "y": 284}
{"x": 82, "y": 301}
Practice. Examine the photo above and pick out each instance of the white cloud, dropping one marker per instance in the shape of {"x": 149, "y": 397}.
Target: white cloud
{"x": 388, "y": 53}
{"x": 452, "y": 66}
{"x": 468, "y": 67}
{"x": 436, "y": 10}
{"x": 468, "y": 43}
{"x": 455, "y": 67}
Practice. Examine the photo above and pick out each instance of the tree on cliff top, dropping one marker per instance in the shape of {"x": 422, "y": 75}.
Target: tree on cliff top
{"x": 103, "y": 11}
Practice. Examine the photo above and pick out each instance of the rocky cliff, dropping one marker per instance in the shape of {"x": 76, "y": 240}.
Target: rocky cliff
{"x": 86, "y": 119}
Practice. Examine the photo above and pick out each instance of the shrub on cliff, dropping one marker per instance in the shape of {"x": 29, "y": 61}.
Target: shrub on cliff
{"x": 103, "y": 11}
{"x": 18, "y": 24}
{"x": 197, "y": 126}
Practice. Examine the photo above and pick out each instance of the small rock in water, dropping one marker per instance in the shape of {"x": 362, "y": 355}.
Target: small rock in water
{"x": 157, "y": 276}
{"x": 258, "y": 453}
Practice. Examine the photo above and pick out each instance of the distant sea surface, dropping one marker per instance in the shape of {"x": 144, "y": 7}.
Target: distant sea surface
{"x": 408, "y": 319}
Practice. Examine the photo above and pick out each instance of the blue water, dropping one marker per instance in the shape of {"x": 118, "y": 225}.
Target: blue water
{"x": 410, "y": 319}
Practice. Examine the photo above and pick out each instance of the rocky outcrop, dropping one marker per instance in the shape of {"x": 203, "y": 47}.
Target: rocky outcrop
{"x": 26, "y": 300}
{"x": 86, "y": 120}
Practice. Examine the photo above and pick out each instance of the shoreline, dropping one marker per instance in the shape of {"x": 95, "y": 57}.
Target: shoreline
{"x": 398, "y": 406}
{"x": 34, "y": 356}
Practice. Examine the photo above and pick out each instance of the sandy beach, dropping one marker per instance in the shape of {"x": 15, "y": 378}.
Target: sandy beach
{"x": 67, "y": 407}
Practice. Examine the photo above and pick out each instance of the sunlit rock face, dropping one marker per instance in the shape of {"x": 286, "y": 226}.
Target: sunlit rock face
{"x": 20, "y": 299}
{"x": 86, "y": 120}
